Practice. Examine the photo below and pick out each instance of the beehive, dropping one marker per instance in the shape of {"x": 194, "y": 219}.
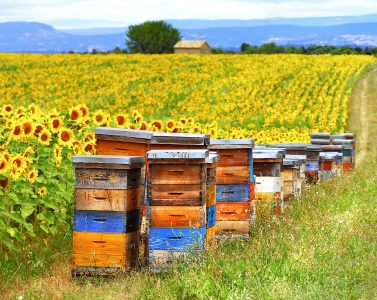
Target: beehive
{"x": 116, "y": 141}
{"x": 328, "y": 165}
{"x": 106, "y": 217}
{"x": 291, "y": 178}
{"x": 234, "y": 187}
{"x": 312, "y": 172}
{"x": 268, "y": 165}
{"x": 320, "y": 138}
{"x": 178, "y": 222}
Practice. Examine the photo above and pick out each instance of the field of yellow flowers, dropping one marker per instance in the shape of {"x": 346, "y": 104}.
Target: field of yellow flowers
{"x": 52, "y": 103}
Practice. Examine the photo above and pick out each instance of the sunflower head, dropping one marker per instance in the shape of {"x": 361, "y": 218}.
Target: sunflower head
{"x": 84, "y": 110}
{"x": 42, "y": 191}
{"x": 170, "y": 124}
{"x": 7, "y": 109}
{"x": 75, "y": 114}
{"x": 16, "y": 132}
{"x": 27, "y": 128}
{"x": 56, "y": 124}
{"x": 65, "y": 137}
{"x": 121, "y": 120}
{"x": 44, "y": 137}
{"x": 4, "y": 165}
{"x": 157, "y": 124}
{"x": 32, "y": 176}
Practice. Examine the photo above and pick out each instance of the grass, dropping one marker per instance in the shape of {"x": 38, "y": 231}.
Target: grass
{"x": 324, "y": 247}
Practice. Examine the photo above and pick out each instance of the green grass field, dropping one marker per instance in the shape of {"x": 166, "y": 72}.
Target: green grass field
{"x": 324, "y": 247}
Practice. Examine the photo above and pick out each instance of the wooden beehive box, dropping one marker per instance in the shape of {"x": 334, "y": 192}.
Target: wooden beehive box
{"x": 106, "y": 218}
{"x": 211, "y": 166}
{"x": 320, "y": 138}
{"x": 268, "y": 166}
{"x": 178, "y": 219}
{"x": 291, "y": 178}
{"x": 234, "y": 187}
{"x": 312, "y": 164}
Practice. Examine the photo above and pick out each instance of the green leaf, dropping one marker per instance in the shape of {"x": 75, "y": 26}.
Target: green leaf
{"x": 11, "y": 231}
{"x": 26, "y": 211}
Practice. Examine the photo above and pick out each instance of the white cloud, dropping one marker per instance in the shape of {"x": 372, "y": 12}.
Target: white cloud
{"x": 88, "y": 13}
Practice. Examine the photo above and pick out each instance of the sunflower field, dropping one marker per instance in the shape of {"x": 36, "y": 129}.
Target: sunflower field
{"x": 50, "y": 105}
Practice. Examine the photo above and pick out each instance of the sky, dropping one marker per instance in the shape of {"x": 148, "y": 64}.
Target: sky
{"x": 71, "y": 14}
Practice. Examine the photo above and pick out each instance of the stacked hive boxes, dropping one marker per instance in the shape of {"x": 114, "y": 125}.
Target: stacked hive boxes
{"x": 106, "y": 217}
{"x": 347, "y": 141}
{"x": 328, "y": 165}
{"x": 297, "y": 153}
{"x": 211, "y": 163}
{"x": 234, "y": 187}
{"x": 177, "y": 199}
{"x": 320, "y": 138}
{"x": 115, "y": 141}
{"x": 337, "y": 152}
{"x": 268, "y": 165}
{"x": 312, "y": 172}
{"x": 291, "y": 178}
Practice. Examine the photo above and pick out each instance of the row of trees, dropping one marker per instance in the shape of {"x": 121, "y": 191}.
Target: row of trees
{"x": 272, "y": 48}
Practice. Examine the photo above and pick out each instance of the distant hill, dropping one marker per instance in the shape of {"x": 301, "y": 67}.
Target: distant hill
{"x": 41, "y": 38}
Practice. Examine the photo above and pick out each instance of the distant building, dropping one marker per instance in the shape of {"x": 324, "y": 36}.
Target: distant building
{"x": 192, "y": 47}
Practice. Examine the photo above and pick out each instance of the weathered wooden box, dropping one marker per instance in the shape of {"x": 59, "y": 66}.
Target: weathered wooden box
{"x": 106, "y": 216}
{"x": 312, "y": 164}
{"x": 268, "y": 165}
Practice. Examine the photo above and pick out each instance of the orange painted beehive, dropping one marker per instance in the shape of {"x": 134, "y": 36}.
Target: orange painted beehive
{"x": 106, "y": 217}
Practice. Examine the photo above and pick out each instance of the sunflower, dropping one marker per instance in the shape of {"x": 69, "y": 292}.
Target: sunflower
{"x": 84, "y": 110}
{"x": 28, "y": 129}
{"x": 75, "y": 114}
{"x": 33, "y": 109}
{"x": 4, "y": 182}
{"x": 16, "y": 132}
{"x": 170, "y": 124}
{"x": 56, "y": 124}
{"x": 7, "y": 109}
{"x": 38, "y": 129}
{"x": 138, "y": 118}
{"x": 99, "y": 118}
{"x": 32, "y": 176}
{"x": 121, "y": 120}
{"x": 143, "y": 126}
{"x": 4, "y": 164}
{"x": 44, "y": 137}
{"x": 15, "y": 172}
{"x": 89, "y": 137}
{"x": 65, "y": 137}
{"x": 89, "y": 148}
{"x": 157, "y": 124}
{"x": 20, "y": 162}
{"x": 183, "y": 121}
{"x": 42, "y": 191}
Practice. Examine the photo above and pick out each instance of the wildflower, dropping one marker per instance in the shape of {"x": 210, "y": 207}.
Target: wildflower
{"x": 44, "y": 137}
{"x": 42, "y": 191}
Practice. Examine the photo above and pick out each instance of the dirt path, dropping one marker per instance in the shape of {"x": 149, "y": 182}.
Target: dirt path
{"x": 363, "y": 116}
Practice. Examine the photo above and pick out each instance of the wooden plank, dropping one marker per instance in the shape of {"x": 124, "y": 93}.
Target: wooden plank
{"x": 105, "y": 250}
{"x": 233, "y": 193}
{"x": 176, "y": 194}
{"x": 176, "y": 238}
{"x": 232, "y": 227}
{"x": 267, "y": 169}
{"x": 237, "y": 211}
{"x": 177, "y": 217}
{"x": 105, "y": 147}
{"x": 290, "y": 174}
{"x": 211, "y": 175}
{"x": 106, "y": 221}
{"x": 268, "y": 184}
{"x": 233, "y": 175}
{"x": 211, "y": 216}
{"x": 233, "y": 157}
{"x": 165, "y": 258}
{"x": 107, "y": 179}
{"x": 211, "y": 195}
{"x": 211, "y": 242}
{"x": 175, "y": 174}
{"x": 108, "y": 200}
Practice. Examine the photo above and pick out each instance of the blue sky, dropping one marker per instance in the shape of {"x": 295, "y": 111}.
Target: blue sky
{"x": 110, "y": 13}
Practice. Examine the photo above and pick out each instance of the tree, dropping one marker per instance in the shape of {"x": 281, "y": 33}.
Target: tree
{"x": 152, "y": 37}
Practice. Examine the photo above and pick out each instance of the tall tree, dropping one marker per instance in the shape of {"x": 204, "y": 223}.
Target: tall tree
{"x": 152, "y": 37}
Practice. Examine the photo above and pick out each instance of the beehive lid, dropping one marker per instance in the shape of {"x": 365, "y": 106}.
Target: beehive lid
{"x": 169, "y": 138}
{"x": 339, "y": 141}
{"x": 328, "y": 155}
{"x": 232, "y": 144}
{"x": 108, "y": 160}
{"x": 212, "y": 158}
{"x": 320, "y": 141}
{"x": 331, "y": 147}
{"x": 291, "y": 163}
{"x": 296, "y": 157}
{"x": 339, "y": 154}
{"x": 320, "y": 135}
{"x": 119, "y": 134}
{"x": 347, "y": 135}
{"x": 178, "y": 154}
{"x": 313, "y": 148}
{"x": 267, "y": 153}
{"x": 292, "y": 146}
